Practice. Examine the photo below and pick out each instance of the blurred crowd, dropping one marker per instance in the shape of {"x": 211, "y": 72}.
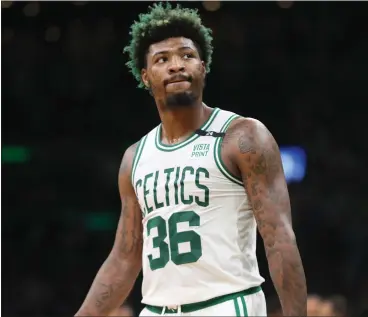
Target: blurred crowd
{"x": 68, "y": 98}
{"x": 317, "y": 306}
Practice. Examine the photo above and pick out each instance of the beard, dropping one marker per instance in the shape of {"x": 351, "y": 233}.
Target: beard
{"x": 184, "y": 99}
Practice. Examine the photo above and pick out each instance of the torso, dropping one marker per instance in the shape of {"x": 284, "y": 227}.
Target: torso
{"x": 199, "y": 228}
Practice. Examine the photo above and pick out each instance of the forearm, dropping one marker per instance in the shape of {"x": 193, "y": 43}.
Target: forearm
{"x": 110, "y": 287}
{"x": 287, "y": 273}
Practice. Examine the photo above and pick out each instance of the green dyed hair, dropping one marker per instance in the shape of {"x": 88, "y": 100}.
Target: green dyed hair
{"x": 162, "y": 22}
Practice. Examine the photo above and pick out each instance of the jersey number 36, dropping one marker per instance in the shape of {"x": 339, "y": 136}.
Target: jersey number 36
{"x": 171, "y": 250}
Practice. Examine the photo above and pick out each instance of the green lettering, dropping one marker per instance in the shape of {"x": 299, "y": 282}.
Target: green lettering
{"x": 139, "y": 184}
{"x": 190, "y": 236}
{"x": 170, "y": 249}
{"x": 176, "y": 185}
{"x": 157, "y": 204}
{"x": 158, "y": 242}
{"x": 168, "y": 172}
{"x": 146, "y": 192}
{"x": 190, "y": 199}
{"x": 206, "y": 201}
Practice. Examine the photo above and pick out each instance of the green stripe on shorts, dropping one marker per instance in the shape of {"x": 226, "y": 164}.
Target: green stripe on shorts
{"x": 237, "y": 311}
{"x": 244, "y": 306}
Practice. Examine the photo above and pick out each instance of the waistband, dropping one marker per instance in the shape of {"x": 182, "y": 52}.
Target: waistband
{"x": 188, "y": 308}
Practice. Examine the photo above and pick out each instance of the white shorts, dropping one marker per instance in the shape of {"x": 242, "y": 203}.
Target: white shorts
{"x": 236, "y": 304}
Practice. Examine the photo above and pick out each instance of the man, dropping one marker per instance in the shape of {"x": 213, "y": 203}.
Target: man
{"x": 193, "y": 191}
{"x": 333, "y": 306}
{"x": 124, "y": 310}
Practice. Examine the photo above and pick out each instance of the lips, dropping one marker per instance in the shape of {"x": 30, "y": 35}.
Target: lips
{"x": 177, "y": 80}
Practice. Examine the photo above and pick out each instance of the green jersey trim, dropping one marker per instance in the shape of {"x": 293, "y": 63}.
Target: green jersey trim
{"x": 137, "y": 156}
{"x": 217, "y": 154}
{"x": 193, "y": 137}
{"x": 188, "y": 308}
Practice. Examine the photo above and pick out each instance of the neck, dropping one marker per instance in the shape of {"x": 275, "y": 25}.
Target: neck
{"x": 178, "y": 123}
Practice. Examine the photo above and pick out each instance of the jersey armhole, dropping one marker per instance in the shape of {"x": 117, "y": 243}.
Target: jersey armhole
{"x": 137, "y": 156}
{"x": 217, "y": 154}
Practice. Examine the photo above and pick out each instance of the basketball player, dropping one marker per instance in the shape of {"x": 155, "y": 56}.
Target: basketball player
{"x": 194, "y": 190}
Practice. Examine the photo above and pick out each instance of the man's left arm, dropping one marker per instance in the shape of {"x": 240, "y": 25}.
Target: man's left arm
{"x": 257, "y": 156}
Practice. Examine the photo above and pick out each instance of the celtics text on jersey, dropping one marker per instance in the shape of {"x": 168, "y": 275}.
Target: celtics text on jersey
{"x": 199, "y": 228}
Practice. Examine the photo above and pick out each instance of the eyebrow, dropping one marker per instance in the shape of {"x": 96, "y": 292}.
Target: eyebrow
{"x": 182, "y": 48}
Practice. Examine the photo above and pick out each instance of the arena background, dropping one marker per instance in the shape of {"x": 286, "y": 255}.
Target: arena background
{"x": 70, "y": 109}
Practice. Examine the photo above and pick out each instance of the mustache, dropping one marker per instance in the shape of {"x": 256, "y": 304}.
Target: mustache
{"x": 179, "y": 77}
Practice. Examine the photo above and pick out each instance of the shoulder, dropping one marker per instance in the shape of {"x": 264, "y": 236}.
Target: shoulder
{"x": 246, "y": 135}
{"x": 242, "y": 125}
{"x": 252, "y": 147}
{"x": 131, "y": 152}
{"x": 125, "y": 170}
{"x": 128, "y": 158}
{"x": 126, "y": 190}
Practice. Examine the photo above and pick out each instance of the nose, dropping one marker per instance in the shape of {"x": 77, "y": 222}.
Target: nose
{"x": 176, "y": 66}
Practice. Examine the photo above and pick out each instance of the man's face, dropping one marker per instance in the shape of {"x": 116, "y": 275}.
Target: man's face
{"x": 319, "y": 307}
{"x": 175, "y": 72}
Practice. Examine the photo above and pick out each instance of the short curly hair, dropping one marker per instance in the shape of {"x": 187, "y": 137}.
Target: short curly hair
{"x": 160, "y": 23}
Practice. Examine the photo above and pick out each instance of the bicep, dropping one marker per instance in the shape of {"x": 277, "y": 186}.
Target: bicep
{"x": 128, "y": 238}
{"x": 260, "y": 165}
{"x": 270, "y": 201}
{"x": 129, "y": 234}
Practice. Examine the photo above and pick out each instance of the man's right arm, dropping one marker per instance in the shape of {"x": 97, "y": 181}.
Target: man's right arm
{"x": 118, "y": 273}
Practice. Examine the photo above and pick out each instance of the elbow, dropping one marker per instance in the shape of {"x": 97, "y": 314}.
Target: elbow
{"x": 129, "y": 262}
{"x": 283, "y": 248}
{"x": 287, "y": 228}
{"x": 281, "y": 242}
{"x": 284, "y": 233}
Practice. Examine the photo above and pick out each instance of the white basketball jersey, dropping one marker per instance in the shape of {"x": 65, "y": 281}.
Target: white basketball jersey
{"x": 198, "y": 226}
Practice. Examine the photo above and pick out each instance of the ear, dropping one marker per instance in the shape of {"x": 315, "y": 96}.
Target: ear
{"x": 203, "y": 69}
{"x": 144, "y": 76}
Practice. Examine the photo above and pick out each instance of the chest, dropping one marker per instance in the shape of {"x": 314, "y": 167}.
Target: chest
{"x": 166, "y": 179}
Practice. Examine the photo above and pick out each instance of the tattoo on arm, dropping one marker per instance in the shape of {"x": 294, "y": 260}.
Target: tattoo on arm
{"x": 130, "y": 239}
{"x": 117, "y": 275}
{"x": 260, "y": 164}
{"x": 128, "y": 246}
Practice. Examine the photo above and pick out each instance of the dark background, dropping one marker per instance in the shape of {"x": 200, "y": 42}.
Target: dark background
{"x": 70, "y": 109}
